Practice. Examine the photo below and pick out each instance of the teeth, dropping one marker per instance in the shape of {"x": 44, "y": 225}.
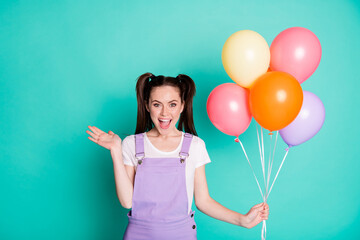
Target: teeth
{"x": 164, "y": 120}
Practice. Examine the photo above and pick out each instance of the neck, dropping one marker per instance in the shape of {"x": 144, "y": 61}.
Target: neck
{"x": 154, "y": 132}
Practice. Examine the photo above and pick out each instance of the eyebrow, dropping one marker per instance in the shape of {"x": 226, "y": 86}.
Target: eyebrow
{"x": 161, "y": 102}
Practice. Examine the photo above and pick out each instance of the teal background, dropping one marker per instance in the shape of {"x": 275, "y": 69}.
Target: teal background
{"x": 65, "y": 65}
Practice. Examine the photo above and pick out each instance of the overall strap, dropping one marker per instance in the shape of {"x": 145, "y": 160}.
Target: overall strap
{"x": 184, "y": 153}
{"x": 139, "y": 146}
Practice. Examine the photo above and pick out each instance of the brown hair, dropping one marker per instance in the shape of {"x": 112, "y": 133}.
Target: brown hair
{"x": 144, "y": 85}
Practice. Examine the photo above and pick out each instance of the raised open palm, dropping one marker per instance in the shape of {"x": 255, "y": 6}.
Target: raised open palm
{"x": 106, "y": 140}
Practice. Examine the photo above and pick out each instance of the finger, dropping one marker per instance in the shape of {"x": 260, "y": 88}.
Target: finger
{"x": 90, "y": 128}
{"x": 92, "y": 134}
{"x": 94, "y": 130}
{"x": 94, "y": 140}
{"x": 258, "y": 205}
{"x": 97, "y": 130}
{"x": 263, "y": 214}
{"x": 265, "y": 207}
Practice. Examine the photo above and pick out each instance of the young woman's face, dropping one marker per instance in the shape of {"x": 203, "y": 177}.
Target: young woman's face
{"x": 165, "y": 107}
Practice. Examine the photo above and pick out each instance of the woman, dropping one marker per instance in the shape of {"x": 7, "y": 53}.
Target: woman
{"x": 160, "y": 168}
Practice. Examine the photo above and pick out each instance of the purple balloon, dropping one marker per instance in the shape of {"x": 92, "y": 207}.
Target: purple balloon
{"x": 307, "y": 123}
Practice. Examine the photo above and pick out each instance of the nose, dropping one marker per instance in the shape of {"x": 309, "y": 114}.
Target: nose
{"x": 164, "y": 111}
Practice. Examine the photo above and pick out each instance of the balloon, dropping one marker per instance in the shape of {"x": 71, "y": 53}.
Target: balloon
{"x": 296, "y": 51}
{"x": 307, "y": 123}
{"x": 228, "y": 108}
{"x": 275, "y": 100}
{"x": 245, "y": 57}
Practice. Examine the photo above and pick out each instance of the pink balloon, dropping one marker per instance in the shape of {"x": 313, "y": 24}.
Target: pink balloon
{"x": 296, "y": 51}
{"x": 228, "y": 108}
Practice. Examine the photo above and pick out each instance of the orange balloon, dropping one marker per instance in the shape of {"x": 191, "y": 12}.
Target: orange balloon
{"x": 275, "y": 100}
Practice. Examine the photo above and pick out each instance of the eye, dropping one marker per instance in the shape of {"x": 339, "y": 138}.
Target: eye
{"x": 173, "y": 105}
{"x": 156, "y": 105}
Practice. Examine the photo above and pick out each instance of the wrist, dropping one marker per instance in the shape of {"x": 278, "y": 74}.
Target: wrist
{"x": 116, "y": 154}
{"x": 116, "y": 147}
{"x": 243, "y": 220}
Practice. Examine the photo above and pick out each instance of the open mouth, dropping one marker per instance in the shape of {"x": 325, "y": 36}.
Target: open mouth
{"x": 164, "y": 123}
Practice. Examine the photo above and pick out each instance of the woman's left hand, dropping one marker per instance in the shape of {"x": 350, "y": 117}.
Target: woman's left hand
{"x": 257, "y": 214}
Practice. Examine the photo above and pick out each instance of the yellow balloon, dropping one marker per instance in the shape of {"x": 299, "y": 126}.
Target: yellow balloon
{"x": 245, "y": 57}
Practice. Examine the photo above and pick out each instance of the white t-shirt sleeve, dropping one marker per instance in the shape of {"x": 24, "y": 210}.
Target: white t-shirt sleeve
{"x": 204, "y": 156}
{"x": 128, "y": 151}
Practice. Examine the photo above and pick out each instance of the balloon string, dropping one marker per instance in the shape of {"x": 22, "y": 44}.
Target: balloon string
{"x": 261, "y": 152}
{"x": 263, "y": 230}
{"x": 262, "y": 195}
{"x": 277, "y": 134}
{"x": 261, "y": 158}
{"x": 272, "y": 161}
{"x": 287, "y": 151}
{"x": 268, "y": 170}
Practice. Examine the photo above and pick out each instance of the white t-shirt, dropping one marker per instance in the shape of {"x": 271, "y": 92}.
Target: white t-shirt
{"x": 198, "y": 156}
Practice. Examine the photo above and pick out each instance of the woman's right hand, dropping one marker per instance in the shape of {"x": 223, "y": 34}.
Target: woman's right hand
{"x": 107, "y": 140}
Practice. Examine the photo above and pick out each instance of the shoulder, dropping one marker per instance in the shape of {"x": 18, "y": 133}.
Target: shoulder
{"x": 128, "y": 142}
{"x": 129, "y": 139}
{"x": 199, "y": 152}
{"x": 198, "y": 142}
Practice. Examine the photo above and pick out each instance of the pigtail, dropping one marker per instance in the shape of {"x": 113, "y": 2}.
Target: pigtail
{"x": 143, "y": 121}
{"x": 186, "y": 121}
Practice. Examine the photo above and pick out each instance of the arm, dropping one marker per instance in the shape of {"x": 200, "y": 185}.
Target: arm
{"x": 210, "y": 207}
{"x": 124, "y": 175}
{"x": 124, "y": 178}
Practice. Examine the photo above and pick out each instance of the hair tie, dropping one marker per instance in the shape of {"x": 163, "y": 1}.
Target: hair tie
{"x": 152, "y": 78}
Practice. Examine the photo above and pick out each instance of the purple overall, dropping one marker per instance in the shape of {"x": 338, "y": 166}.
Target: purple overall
{"x": 160, "y": 203}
